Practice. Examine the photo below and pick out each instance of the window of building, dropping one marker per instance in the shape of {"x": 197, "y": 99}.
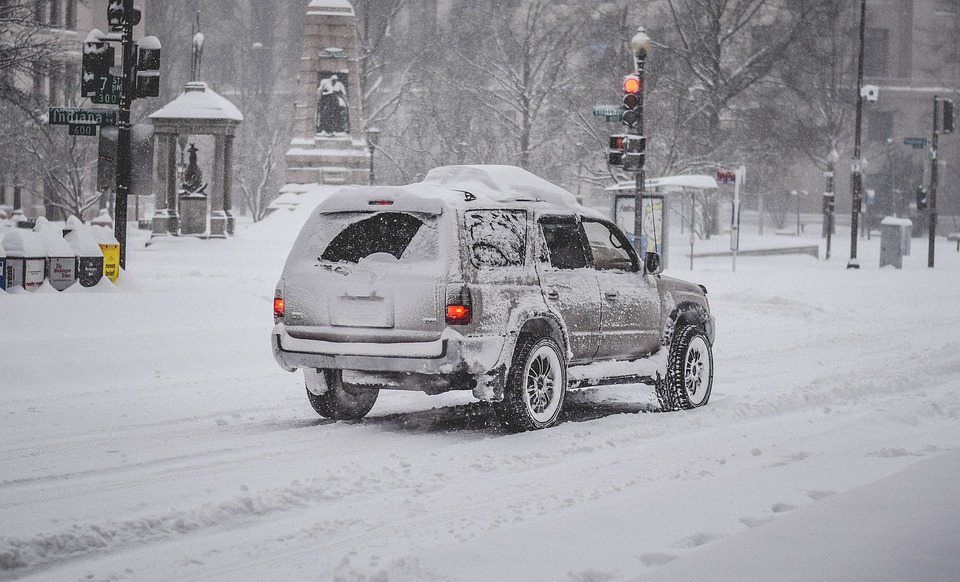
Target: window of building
{"x": 876, "y": 52}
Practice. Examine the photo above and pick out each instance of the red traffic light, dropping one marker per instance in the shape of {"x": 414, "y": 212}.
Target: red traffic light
{"x": 632, "y": 84}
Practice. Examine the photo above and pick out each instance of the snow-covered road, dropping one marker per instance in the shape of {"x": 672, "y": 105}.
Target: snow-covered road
{"x": 147, "y": 434}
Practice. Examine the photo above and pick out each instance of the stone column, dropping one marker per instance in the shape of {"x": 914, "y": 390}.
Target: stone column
{"x": 228, "y": 182}
{"x": 218, "y": 217}
{"x": 165, "y": 189}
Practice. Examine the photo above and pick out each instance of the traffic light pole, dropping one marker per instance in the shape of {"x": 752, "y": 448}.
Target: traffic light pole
{"x": 641, "y": 175}
{"x": 934, "y": 178}
{"x": 123, "y": 134}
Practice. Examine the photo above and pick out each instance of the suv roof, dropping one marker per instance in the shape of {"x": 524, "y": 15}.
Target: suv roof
{"x": 457, "y": 186}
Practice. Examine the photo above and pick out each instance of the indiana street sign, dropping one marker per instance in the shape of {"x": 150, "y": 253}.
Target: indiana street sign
{"x": 917, "y": 143}
{"x": 72, "y": 115}
{"x": 109, "y": 90}
{"x": 609, "y": 112}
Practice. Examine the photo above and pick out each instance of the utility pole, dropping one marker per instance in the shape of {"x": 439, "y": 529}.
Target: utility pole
{"x": 123, "y": 129}
{"x": 857, "y": 176}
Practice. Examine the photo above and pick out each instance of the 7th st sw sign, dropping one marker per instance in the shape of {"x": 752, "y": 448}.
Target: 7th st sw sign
{"x": 72, "y": 115}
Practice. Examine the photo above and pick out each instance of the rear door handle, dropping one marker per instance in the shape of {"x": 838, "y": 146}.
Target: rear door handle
{"x": 553, "y": 294}
{"x": 611, "y": 295}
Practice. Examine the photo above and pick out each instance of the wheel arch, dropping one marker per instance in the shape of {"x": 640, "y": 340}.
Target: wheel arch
{"x": 684, "y": 314}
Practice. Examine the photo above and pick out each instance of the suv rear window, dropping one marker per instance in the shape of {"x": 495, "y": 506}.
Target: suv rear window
{"x": 392, "y": 233}
{"x": 496, "y": 237}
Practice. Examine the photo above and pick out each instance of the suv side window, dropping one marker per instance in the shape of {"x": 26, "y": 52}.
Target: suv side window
{"x": 564, "y": 240}
{"x": 611, "y": 249}
{"x": 497, "y": 238}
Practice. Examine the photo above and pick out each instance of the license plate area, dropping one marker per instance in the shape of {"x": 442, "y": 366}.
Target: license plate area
{"x": 362, "y": 310}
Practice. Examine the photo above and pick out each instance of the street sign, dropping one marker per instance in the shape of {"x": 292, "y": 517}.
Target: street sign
{"x": 917, "y": 143}
{"x": 88, "y": 129}
{"x": 109, "y": 91}
{"x": 609, "y": 112}
{"x": 73, "y": 115}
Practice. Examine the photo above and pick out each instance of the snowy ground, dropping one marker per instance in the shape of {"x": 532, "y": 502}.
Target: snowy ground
{"x": 147, "y": 434}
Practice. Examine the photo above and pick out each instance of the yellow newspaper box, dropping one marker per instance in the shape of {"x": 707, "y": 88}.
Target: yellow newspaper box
{"x": 111, "y": 251}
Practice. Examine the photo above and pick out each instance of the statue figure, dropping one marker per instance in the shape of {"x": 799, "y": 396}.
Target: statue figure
{"x": 333, "y": 116}
{"x": 193, "y": 177}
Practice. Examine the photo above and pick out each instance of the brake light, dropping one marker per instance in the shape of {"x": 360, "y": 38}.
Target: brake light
{"x": 460, "y": 308}
{"x": 380, "y": 203}
{"x": 278, "y": 307}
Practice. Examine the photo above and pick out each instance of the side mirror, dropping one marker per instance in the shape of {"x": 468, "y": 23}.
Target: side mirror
{"x": 652, "y": 264}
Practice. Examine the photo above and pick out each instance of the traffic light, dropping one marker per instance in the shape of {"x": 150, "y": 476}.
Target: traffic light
{"x": 95, "y": 67}
{"x": 947, "y": 115}
{"x": 148, "y": 67}
{"x": 117, "y": 17}
{"x": 922, "y": 197}
{"x": 632, "y": 100}
{"x": 615, "y": 153}
{"x": 635, "y": 151}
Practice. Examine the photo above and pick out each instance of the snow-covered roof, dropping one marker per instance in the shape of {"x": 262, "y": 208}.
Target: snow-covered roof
{"x": 668, "y": 182}
{"x": 24, "y": 243}
{"x": 458, "y": 186}
{"x": 53, "y": 239}
{"x": 80, "y": 238}
{"x": 330, "y": 7}
{"x": 893, "y": 220}
{"x": 199, "y": 102}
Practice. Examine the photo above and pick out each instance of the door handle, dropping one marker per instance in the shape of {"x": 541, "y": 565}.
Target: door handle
{"x": 611, "y": 295}
{"x": 553, "y": 294}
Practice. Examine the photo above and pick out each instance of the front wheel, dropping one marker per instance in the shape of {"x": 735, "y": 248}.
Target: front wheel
{"x": 338, "y": 401}
{"x": 535, "y": 387}
{"x": 689, "y": 371}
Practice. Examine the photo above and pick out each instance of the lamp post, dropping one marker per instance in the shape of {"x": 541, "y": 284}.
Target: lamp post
{"x": 829, "y": 198}
{"x": 856, "y": 176}
{"x": 373, "y": 138}
{"x": 641, "y": 45}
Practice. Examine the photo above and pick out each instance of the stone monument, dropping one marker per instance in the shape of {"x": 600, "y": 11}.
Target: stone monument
{"x": 328, "y": 144}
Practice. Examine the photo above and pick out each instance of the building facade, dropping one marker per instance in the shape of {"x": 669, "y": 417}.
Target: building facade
{"x": 53, "y": 82}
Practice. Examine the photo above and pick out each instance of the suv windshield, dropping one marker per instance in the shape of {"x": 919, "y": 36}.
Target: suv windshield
{"x": 400, "y": 235}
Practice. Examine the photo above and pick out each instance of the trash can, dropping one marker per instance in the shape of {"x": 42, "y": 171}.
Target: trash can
{"x": 89, "y": 256}
{"x": 61, "y": 259}
{"x": 111, "y": 251}
{"x": 26, "y": 259}
{"x": 894, "y": 240}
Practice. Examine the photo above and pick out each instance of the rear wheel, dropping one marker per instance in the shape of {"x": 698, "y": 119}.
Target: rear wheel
{"x": 689, "y": 371}
{"x": 535, "y": 387}
{"x": 339, "y": 401}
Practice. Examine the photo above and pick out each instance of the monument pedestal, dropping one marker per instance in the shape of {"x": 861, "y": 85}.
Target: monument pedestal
{"x": 328, "y": 146}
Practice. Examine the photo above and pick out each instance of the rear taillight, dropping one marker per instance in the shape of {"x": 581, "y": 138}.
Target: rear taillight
{"x": 459, "y": 307}
{"x": 277, "y": 308}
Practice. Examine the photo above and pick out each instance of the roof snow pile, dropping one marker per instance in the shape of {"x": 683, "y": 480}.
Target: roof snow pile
{"x": 330, "y": 7}
{"x": 458, "y": 185}
{"x": 199, "y": 102}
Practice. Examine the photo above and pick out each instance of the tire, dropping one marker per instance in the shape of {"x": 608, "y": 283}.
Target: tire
{"x": 689, "y": 371}
{"x": 339, "y": 402}
{"x": 536, "y": 386}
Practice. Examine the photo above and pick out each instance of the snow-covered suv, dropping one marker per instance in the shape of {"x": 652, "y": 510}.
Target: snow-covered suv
{"x": 482, "y": 278}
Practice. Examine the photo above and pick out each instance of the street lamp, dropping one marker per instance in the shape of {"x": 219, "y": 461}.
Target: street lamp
{"x": 829, "y": 198}
{"x": 641, "y": 44}
{"x": 373, "y": 138}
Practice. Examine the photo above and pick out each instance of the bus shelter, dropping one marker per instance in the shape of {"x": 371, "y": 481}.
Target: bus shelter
{"x": 655, "y": 230}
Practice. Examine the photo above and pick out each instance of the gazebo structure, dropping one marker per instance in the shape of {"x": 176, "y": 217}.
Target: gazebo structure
{"x": 183, "y": 208}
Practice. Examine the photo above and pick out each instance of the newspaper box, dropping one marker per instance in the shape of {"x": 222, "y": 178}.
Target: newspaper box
{"x": 89, "y": 255}
{"x": 111, "y": 251}
{"x": 3, "y": 268}
{"x": 61, "y": 260}
{"x": 26, "y": 259}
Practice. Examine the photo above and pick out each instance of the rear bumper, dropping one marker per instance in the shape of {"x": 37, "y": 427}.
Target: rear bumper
{"x": 452, "y": 354}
